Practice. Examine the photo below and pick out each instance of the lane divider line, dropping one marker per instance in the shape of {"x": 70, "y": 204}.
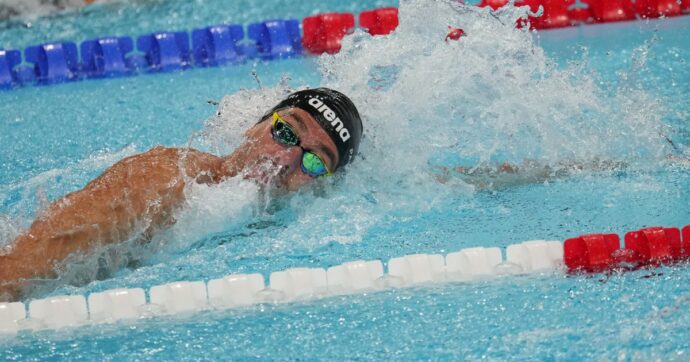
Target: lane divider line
{"x": 221, "y": 44}
{"x": 290, "y": 285}
{"x": 648, "y": 247}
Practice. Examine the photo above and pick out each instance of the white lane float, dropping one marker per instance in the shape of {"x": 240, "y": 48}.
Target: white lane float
{"x": 647, "y": 247}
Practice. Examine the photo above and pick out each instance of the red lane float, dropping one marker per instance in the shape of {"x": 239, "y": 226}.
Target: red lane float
{"x": 323, "y": 32}
{"x": 657, "y": 8}
{"x": 562, "y": 13}
{"x": 494, "y": 4}
{"x": 654, "y": 245}
{"x": 535, "y": 22}
{"x": 379, "y": 21}
{"x": 580, "y": 14}
{"x": 590, "y": 253}
{"x": 555, "y": 15}
{"x": 454, "y": 33}
{"x": 605, "y": 11}
{"x": 651, "y": 246}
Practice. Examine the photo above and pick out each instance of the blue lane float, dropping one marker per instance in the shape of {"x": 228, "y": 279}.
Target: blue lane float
{"x": 276, "y": 39}
{"x": 111, "y": 56}
{"x": 53, "y": 62}
{"x": 105, "y": 57}
{"x": 217, "y": 45}
{"x": 9, "y": 59}
{"x": 25, "y": 74}
{"x": 166, "y": 51}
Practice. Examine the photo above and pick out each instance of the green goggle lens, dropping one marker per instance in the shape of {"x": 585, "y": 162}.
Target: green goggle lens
{"x": 313, "y": 165}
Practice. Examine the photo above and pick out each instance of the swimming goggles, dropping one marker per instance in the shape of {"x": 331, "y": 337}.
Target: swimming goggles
{"x": 282, "y": 132}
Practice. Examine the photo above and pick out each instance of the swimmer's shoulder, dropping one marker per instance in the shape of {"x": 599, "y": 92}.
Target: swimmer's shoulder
{"x": 163, "y": 162}
{"x": 202, "y": 166}
{"x": 155, "y": 157}
{"x": 175, "y": 154}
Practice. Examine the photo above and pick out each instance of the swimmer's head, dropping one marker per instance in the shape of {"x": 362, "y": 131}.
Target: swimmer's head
{"x": 335, "y": 113}
{"x": 311, "y": 133}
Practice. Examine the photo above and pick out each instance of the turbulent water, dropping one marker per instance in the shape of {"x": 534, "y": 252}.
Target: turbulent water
{"x": 33, "y": 9}
{"x": 489, "y": 98}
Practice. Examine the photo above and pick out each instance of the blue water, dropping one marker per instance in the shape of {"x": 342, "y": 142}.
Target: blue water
{"x": 57, "y": 138}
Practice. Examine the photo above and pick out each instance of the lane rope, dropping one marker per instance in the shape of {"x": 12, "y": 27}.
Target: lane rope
{"x": 645, "y": 248}
{"x": 167, "y": 51}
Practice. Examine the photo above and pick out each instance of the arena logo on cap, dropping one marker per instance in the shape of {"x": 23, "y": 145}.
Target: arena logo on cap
{"x": 330, "y": 116}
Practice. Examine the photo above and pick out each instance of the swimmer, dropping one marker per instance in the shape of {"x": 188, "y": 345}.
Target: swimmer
{"x": 311, "y": 134}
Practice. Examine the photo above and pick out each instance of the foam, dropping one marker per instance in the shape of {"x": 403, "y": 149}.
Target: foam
{"x": 235, "y": 290}
{"x": 58, "y": 312}
{"x": 237, "y": 198}
{"x": 116, "y": 304}
{"x": 179, "y": 297}
{"x": 531, "y": 96}
{"x": 418, "y": 268}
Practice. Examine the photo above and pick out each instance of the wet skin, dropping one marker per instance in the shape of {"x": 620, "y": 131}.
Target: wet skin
{"x": 141, "y": 194}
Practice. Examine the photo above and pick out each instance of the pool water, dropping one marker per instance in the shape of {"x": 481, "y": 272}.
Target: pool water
{"x": 614, "y": 92}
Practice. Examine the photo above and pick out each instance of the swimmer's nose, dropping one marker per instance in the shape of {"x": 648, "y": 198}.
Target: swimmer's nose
{"x": 289, "y": 157}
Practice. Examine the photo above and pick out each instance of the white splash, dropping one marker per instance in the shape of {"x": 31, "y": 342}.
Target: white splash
{"x": 210, "y": 209}
{"x": 491, "y": 97}
{"x": 236, "y": 113}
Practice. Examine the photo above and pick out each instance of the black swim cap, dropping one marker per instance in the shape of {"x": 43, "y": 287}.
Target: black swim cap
{"x": 335, "y": 113}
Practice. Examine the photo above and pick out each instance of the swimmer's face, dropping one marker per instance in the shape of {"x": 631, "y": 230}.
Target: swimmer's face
{"x": 281, "y": 165}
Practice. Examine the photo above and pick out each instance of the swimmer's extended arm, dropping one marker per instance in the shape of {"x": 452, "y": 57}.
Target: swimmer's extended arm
{"x": 507, "y": 174}
{"x": 137, "y": 194}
